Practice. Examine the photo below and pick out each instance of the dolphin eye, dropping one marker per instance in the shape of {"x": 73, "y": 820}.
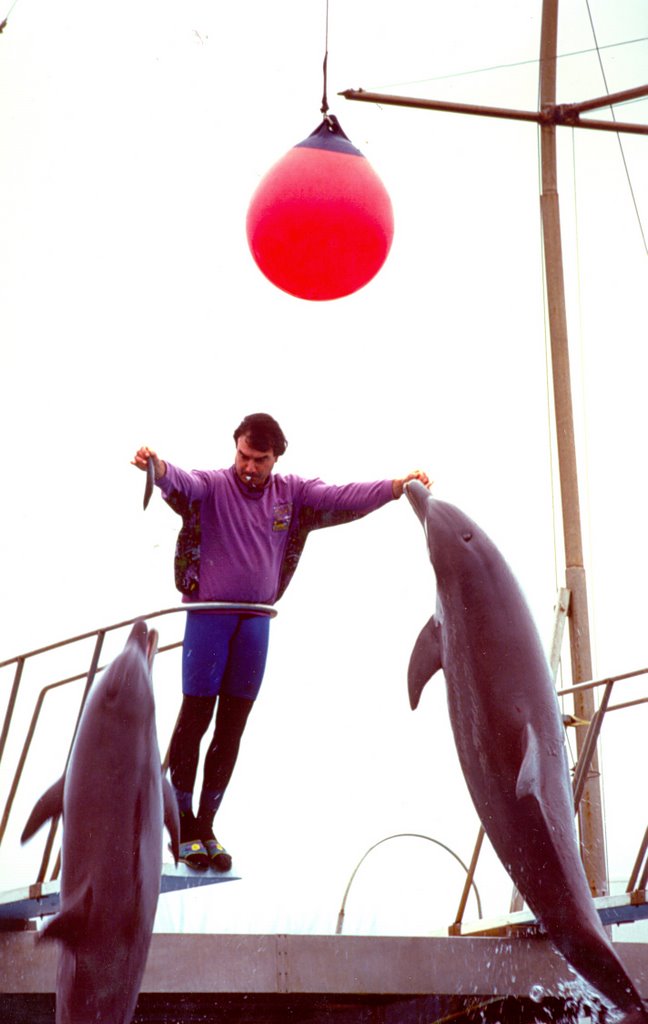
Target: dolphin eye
{"x": 467, "y": 535}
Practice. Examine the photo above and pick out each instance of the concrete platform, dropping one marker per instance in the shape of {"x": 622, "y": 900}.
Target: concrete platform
{"x": 325, "y": 979}
{"x": 260, "y": 979}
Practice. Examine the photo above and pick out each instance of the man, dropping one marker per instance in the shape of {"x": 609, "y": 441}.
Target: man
{"x": 243, "y": 532}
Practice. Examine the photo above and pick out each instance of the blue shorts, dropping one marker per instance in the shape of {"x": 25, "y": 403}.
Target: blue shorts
{"x": 224, "y": 654}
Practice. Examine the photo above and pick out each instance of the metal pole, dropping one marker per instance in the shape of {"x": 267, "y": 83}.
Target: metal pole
{"x": 412, "y": 835}
{"x": 590, "y": 814}
{"x": 609, "y": 100}
{"x": 364, "y": 96}
{"x": 455, "y": 928}
{"x": 562, "y": 114}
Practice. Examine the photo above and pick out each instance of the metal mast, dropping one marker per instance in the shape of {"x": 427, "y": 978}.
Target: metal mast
{"x": 592, "y": 833}
{"x": 548, "y": 117}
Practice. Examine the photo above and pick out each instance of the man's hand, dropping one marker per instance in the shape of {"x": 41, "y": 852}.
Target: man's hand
{"x": 399, "y": 485}
{"x": 142, "y": 455}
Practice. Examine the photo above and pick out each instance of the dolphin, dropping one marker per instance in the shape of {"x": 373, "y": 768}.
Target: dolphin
{"x": 114, "y": 801}
{"x": 510, "y": 738}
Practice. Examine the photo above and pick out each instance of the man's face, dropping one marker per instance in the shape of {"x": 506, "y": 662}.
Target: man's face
{"x": 253, "y": 467}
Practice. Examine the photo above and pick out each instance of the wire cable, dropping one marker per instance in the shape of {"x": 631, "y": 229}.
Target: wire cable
{"x": 514, "y": 64}
{"x": 324, "y": 108}
{"x": 623, "y": 156}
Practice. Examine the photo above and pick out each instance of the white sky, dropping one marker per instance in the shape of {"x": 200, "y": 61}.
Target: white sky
{"x": 133, "y": 138}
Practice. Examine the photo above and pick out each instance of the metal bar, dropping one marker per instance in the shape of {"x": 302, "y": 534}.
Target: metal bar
{"x": 579, "y": 687}
{"x": 628, "y": 704}
{"x": 587, "y": 756}
{"x": 604, "y": 126}
{"x": 401, "y": 835}
{"x": 563, "y": 115}
{"x": 32, "y": 729}
{"x": 643, "y": 880}
{"x": 56, "y": 870}
{"x": 24, "y": 753}
{"x": 21, "y": 763}
{"x": 11, "y": 704}
{"x": 517, "y": 901}
{"x": 634, "y": 874}
{"x": 84, "y": 675}
{"x": 198, "y": 606}
{"x": 364, "y": 96}
{"x": 99, "y": 634}
{"x": 610, "y": 100}
{"x": 592, "y": 833}
{"x": 562, "y": 611}
{"x": 470, "y": 880}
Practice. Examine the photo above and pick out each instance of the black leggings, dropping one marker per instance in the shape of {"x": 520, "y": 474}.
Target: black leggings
{"x": 193, "y": 722}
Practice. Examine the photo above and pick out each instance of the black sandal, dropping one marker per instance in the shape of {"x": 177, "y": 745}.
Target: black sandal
{"x": 219, "y": 858}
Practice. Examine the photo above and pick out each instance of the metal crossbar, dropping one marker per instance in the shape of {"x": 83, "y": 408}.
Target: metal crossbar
{"x": 89, "y": 675}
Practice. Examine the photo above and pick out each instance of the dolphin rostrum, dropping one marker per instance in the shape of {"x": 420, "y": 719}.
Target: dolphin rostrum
{"x": 510, "y": 738}
{"x": 114, "y": 802}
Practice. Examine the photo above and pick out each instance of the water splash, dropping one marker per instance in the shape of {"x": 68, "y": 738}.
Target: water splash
{"x": 537, "y": 993}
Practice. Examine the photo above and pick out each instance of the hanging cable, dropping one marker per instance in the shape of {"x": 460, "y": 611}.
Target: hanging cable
{"x": 3, "y": 23}
{"x": 324, "y": 108}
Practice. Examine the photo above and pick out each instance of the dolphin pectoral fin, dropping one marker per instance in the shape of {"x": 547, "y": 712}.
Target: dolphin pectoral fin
{"x": 171, "y": 817}
{"x": 71, "y": 924}
{"x": 425, "y": 660}
{"x": 48, "y": 806}
{"x": 529, "y": 780}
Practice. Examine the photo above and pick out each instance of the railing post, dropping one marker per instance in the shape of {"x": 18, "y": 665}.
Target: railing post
{"x": 634, "y": 875}
{"x": 470, "y": 876}
{"x": 11, "y": 705}
{"x": 588, "y": 749}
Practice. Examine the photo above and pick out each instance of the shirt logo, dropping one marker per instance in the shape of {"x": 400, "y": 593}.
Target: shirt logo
{"x": 281, "y": 516}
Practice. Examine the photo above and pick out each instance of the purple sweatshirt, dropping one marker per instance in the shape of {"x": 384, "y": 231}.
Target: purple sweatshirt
{"x": 244, "y": 533}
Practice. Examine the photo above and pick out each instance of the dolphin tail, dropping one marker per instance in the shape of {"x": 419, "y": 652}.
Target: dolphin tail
{"x": 48, "y": 806}
{"x": 425, "y": 660}
{"x": 171, "y": 817}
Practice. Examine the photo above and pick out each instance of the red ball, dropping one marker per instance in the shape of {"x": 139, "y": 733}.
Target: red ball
{"x": 320, "y": 224}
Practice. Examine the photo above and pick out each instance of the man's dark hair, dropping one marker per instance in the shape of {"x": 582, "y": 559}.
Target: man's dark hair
{"x": 263, "y": 433}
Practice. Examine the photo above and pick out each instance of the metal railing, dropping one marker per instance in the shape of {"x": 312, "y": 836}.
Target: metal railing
{"x": 89, "y": 674}
{"x": 405, "y": 835}
{"x": 639, "y": 875}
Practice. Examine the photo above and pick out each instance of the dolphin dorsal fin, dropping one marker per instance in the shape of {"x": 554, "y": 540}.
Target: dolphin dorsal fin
{"x": 425, "y": 660}
{"x": 71, "y": 924}
{"x": 48, "y": 806}
{"x": 529, "y": 780}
